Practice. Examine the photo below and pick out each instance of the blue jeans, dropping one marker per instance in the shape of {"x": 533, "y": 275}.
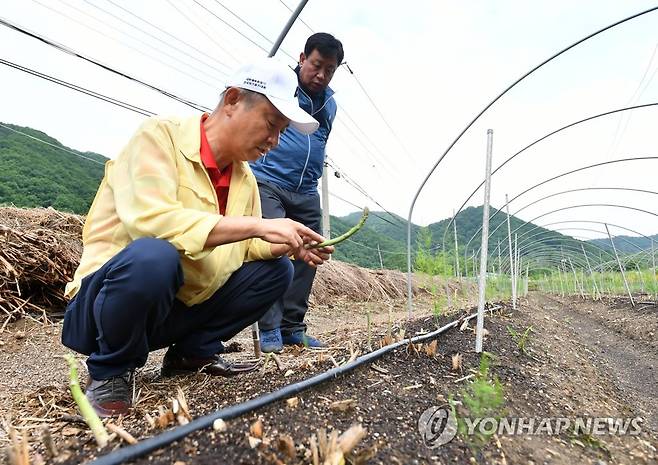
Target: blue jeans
{"x": 128, "y": 308}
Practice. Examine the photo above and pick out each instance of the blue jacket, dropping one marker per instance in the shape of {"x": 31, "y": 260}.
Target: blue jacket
{"x": 296, "y": 163}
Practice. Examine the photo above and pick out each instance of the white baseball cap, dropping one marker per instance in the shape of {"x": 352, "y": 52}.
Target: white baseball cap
{"x": 278, "y": 83}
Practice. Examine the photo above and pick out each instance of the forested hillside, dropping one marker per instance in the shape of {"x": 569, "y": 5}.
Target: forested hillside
{"x": 468, "y": 223}
{"x": 628, "y": 244}
{"x": 34, "y": 174}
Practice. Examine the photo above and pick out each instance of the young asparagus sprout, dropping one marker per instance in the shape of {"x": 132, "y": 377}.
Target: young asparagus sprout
{"x": 87, "y": 411}
{"x": 342, "y": 237}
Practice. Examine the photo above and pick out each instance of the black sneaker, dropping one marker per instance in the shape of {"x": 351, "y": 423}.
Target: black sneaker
{"x": 111, "y": 397}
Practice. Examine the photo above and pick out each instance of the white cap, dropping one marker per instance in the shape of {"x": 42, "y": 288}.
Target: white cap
{"x": 278, "y": 83}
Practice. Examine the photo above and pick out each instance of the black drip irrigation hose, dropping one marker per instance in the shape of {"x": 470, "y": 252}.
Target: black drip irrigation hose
{"x": 156, "y": 442}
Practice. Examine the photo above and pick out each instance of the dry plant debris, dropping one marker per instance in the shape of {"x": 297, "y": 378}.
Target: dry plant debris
{"x": 430, "y": 349}
{"x": 122, "y": 433}
{"x": 39, "y": 251}
{"x": 331, "y": 449}
{"x": 343, "y": 405}
{"x": 286, "y": 445}
{"x": 457, "y": 360}
{"x": 338, "y": 280}
{"x": 293, "y": 402}
{"x": 256, "y": 429}
{"x": 18, "y": 450}
{"x": 180, "y": 408}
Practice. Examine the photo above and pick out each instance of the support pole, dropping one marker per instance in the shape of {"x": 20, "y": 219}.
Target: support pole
{"x": 326, "y": 219}
{"x": 515, "y": 270}
{"x": 381, "y": 262}
{"x": 517, "y": 263}
{"x": 484, "y": 249}
{"x": 284, "y": 32}
{"x": 255, "y": 333}
{"x": 509, "y": 246}
{"x": 474, "y": 264}
{"x": 500, "y": 262}
{"x": 559, "y": 275}
{"x": 655, "y": 278}
{"x": 583, "y": 284}
{"x": 597, "y": 293}
{"x": 576, "y": 284}
{"x": 454, "y": 228}
{"x": 639, "y": 272}
{"x": 621, "y": 268}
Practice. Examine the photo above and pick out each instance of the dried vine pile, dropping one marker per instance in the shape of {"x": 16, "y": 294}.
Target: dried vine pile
{"x": 39, "y": 251}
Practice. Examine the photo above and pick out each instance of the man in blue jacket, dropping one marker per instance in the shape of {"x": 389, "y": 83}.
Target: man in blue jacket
{"x": 288, "y": 179}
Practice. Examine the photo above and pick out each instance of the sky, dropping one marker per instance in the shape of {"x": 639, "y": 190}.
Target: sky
{"x": 422, "y": 71}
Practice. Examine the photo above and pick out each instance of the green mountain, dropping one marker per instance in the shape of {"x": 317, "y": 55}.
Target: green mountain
{"x": 383, "y": 228}
{"x": 34, "y": 174}
{"x": 628, "y": 244}
{"x": 365, "y": 247}
{"x": 390, "y": 225}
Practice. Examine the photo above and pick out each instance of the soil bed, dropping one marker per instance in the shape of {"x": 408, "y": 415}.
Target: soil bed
{"x": 579, "y": 361}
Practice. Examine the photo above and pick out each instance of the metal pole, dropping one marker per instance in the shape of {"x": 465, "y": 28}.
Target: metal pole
{"x": 509, "y": 246}
{"x": 603, "y": 287}
{"x": 326, "y": 219}
{"x": 583, "y": 285}
{"x": 655, "y": 278}
{"x": 525, "y": 284}
{"x": 484, "y": 248}
{"x": 591, "y": 272}
{"x": 254, "y": 327}
{"x": 454, "y": 228}
{"x": 474, "y": 264}
{"x": 621, "y": 268}
{"x": 286, "y": 28}
{"x": 576, "y": 284}
{"x": 500, "y": 263}
{"x": 517, "y": 263}
{"x": 637, "y": 266}
{"x": 381, "y": 262}
{"x": 515, "y": 269}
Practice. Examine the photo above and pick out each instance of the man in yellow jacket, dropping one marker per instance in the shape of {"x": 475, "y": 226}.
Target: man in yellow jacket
{"x": 176, "y": 253}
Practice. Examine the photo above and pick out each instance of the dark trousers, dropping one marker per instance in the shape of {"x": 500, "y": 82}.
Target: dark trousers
{"x": 288, "y": 312}
{"x": 128, "y": 308}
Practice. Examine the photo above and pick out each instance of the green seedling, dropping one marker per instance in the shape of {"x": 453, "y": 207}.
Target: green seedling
{"x": 438, "y": 308}
{"x": 521, "y": 339}
{"x": 483, "y": 398}
{"x": 587, "y": 440}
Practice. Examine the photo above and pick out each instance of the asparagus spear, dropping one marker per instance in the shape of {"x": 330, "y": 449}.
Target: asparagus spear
{"x": 342, "y": 237}
{"x": 87, "y": 411}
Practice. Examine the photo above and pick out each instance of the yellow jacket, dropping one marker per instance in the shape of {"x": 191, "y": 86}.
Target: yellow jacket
{"x": 157, "y": 187}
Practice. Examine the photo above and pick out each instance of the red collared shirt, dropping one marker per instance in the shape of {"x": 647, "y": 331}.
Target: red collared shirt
{"x": 221, "y": 180}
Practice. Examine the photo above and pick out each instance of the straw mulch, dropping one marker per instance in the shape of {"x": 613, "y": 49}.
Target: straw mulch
{"x": 40, "y": 249}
